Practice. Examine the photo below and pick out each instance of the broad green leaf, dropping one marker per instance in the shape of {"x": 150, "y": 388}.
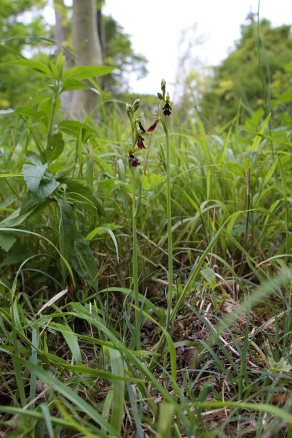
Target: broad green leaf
{"x": 55, "y": 147}
{"x": 73, "y": 127}
{"x": 152, "y": 180}
{"x": 30, "y": 112}
{"x": 253, "y": 122}
{"x": 88, "y": 71}
{"x": 40, "y": 67}
{"x": 33, "y": 175}
{"x": 39, "y": 181}
{"x": 236, "y": 168}
{"x": 7, "y": 240}
{"x": 73, "y": 84}
{"x": 81, "y": 192}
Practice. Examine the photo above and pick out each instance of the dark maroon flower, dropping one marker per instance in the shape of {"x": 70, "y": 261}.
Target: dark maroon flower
{"x": 167, "y": 109}
{"x": 140, "y": 143}
{"x": 133, "y": 161}
{"x": 141, "y": 127}
{"x": 153, "y": 126}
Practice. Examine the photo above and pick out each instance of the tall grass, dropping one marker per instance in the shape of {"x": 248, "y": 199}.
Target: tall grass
{"x": 69, "y": 307}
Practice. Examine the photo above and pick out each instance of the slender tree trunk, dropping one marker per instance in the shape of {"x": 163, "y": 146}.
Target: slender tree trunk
{"x": 88, "y": 48}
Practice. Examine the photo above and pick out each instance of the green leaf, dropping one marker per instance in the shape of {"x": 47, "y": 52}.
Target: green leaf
{"x": 73, "y": 84}
{"x": 253, "y": 122}
{"x": 30, "y": 112}
{"x": 258, "y": 137}
{"x": 210, "y": 276}
{"x": 99, "y": 231}
{"x": 236, "y": 168}
{"x": 83, "y": 260}
{"x": 40, "y": 182}
{"x": 71, "y": 339}
{"x": 88, "y": 71}
{"x": 165, "y": 419}
{"x": 7, "y": 240}
{"x": 73, "y": 127}
{"x": 117, "y": 367}
{"x": 33, "y": 175}
{"x": 81, "y": 192}
{"x": 67, "y": 230}
{"x": 40, "y": 67}
{"x": 270, "y": 172}
{"x": 55, "y": 147}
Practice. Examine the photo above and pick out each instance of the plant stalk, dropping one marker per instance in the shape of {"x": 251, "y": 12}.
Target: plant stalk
{"x": 135, "y": 262}
{"x": 169, "y": 227}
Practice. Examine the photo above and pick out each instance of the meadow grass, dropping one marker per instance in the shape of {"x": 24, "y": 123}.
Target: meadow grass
{"x": 91, "y": 350}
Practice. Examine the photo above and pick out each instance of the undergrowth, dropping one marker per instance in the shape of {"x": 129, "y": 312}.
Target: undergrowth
{"x": 91, "y": 348}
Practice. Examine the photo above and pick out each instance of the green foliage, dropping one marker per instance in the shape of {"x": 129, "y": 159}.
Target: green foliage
{"x": 215, "y": 360}
{"x": 17, "y": 36}
{"x": 249, "y": 75}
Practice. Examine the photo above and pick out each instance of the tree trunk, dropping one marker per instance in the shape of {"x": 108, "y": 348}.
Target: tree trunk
{"x": 88, "y": 48}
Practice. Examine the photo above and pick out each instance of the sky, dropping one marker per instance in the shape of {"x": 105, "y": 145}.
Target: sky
{"x": 211, "y": 27}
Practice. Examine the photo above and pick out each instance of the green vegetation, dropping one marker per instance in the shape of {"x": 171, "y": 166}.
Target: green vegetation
{"x": 102, "y": 333}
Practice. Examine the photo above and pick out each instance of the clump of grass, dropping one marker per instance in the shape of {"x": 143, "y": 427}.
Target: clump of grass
{"x": 213, "y": 285}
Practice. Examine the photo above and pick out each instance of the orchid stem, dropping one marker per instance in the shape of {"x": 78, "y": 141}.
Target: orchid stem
{"x": 169, "y": 227}
{"x": 135, "y": 262}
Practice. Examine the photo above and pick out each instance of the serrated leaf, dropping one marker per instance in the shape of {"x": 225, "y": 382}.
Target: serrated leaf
{"x": 88, "y": 71}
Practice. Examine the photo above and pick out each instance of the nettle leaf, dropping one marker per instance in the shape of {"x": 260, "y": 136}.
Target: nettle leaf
{"x": 55, "y": 147}
{"x": 33, "y": 175}
{"x": 7, "y": 240}
{"x": 88, "y": 71}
